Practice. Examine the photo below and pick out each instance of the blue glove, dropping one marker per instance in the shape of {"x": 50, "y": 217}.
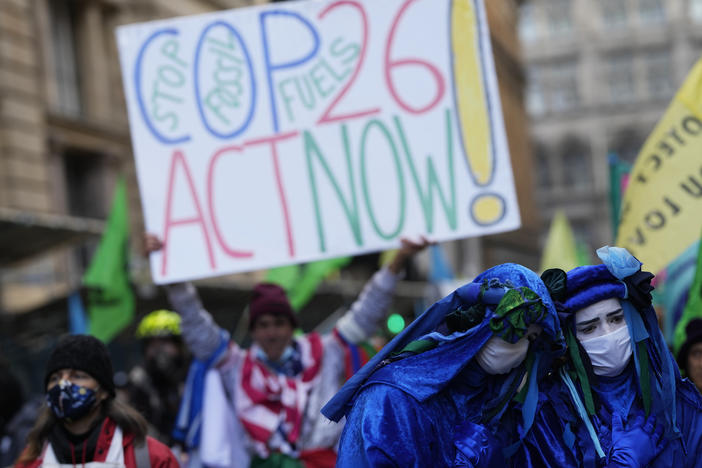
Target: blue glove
{"x": 477, "y": 446}
{"x": 638, "y": 444}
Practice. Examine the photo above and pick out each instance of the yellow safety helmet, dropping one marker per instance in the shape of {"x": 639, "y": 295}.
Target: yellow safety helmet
{"x": 159, "y": 323}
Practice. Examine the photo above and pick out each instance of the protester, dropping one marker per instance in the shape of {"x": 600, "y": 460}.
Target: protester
{"x": 440, "y": 392}
{"x": 82, "y": 422}
{"x": 690, "y": 354}
{"x": 277, "y": 387}
{"x": 156, "y": 387}
{"x": 619, "y": 371}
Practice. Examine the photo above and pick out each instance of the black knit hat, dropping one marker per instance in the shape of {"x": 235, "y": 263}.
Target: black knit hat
{"x": 82, "y": 352}
{"x": 693, "y": 335}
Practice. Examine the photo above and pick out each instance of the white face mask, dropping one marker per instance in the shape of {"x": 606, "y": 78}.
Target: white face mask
{"x": 498, "y": 356}
{"x": 609, "y": 353}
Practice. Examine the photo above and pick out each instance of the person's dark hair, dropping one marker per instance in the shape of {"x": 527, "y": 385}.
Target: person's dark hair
{"x": 693, "y": 335}
{"x": 126, "y": 417}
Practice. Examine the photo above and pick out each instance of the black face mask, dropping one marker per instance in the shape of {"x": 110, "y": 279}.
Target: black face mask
{"x": 165, "y": 367}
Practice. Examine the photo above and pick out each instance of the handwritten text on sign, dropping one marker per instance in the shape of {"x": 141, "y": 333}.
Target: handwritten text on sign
{"x": 283, "y": 134}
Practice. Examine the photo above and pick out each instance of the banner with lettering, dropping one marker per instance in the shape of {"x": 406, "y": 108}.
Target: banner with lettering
{"x": 660, "y": 214}
{"x": 287, "y": 133}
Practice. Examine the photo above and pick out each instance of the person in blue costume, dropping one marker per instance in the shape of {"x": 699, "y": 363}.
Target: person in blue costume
{"x": 620, "y": 385}
{"x": 440, "y": 393}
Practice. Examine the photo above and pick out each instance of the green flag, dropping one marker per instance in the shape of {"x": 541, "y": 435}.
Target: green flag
{"x": 693, "y": 308}
{"x": 300, "y": 283}
{"x": 286, "y": 276}
{"x": 110, "y": 298}
{"x": 618, "y": 180}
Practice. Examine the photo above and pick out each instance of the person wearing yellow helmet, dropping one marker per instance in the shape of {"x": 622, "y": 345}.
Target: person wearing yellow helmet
{"x": 159, "y": 323}
{"x": 155, "y": 387}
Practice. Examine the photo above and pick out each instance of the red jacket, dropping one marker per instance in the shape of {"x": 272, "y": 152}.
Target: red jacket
{"x": 159, "y": 454}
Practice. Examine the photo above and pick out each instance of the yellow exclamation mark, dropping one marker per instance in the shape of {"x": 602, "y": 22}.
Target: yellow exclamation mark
{"x": 473, "y": 109}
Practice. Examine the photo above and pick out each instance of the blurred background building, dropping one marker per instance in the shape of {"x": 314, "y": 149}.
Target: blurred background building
{"x": 600, "y": 74}
{"x": 64, "y": 142}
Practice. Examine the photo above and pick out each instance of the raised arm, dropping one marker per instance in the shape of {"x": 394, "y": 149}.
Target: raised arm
{"x": 372, "y": 304}
{"x": 202, "y": 335}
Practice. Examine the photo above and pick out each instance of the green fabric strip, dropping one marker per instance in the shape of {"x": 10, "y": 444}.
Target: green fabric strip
{"x": 644, "y": 378}
{"x": 580, "y": 370}
{"x": 519, "y": 398}
{"x": 517, "y": 309}
{"x": 418, "y": 346}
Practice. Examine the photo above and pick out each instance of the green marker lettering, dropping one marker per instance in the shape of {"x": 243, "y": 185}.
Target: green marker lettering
{"x": 433, "y": 183}
{"x": 308, "y": 104}
{"x": 170, "y": 50}
{"x": 400, "y": 180}
{"x": 350, "y": 51}
{"x": 287, "y": 99}
{"x": 318, "y": 79}
{"x": 350, "y": 207}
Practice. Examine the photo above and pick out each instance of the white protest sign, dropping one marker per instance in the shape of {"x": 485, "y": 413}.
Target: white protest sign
{"x": 294, "y": 132}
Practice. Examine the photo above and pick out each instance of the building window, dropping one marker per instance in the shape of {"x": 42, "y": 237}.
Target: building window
{"x": 696, "y": 10}
{"x": 626, "y": 145}
{"x": 535, "y": 101}
{"x": 659, "y": 74}
{"x": 84, "y": 176}
{"x": 564, "y": 86}
{"x": 559, "y": 16}
{"x": 527, "y": 22}
{"x": 620, "y": 78}
{"x": 652, "y": 11}
{"x": 575, "y": 156}
{"x": 64, "y": 14}
{"x": 84, "y": 179}
{"x": 614, "y": 13}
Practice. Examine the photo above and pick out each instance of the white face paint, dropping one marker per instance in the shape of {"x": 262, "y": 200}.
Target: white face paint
{"x": 498, "y": 356}
{"x": 602, "y": 331}
{"x": 598, "y": 319}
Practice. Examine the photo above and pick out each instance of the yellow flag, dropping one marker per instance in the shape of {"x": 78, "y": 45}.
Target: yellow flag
{"x": 660, "y": 216}
{"x": 561, "y": 249}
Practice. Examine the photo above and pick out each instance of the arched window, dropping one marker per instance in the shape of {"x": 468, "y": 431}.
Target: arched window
{"x": 527, "y": 22}
{"x": 560, "y": 17}
{"x": 577, "y": 164}
{"x": 535, "y": 96}
{"x": 695, "y": 10}
{"x": 626, "y": 144}
{"x": 652, "y": 11}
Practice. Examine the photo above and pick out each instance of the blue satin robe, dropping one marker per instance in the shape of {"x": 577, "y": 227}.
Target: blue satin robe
{"x": 407, "y": 419}
{"x": 558, "y": 437}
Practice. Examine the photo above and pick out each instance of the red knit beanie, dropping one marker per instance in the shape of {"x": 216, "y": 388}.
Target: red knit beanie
{"x": 270, "y": 298}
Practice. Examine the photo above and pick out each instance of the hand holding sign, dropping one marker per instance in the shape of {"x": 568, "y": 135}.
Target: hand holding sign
{"x": 408, "y": 250}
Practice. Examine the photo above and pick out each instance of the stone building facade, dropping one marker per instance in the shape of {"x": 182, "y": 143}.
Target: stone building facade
{"x": 600, "y": 75}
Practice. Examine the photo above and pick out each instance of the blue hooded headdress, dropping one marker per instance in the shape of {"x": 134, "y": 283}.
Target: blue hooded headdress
{"x": 423, "y": 359}
{"x": 620, "y": 277}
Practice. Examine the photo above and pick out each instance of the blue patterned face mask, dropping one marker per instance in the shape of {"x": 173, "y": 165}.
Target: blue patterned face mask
{"x": 70, "y": 401}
